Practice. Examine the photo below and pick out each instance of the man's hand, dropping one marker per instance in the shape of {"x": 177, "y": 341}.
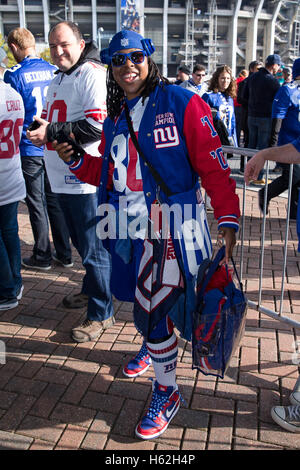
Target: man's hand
{"x": 39, "y": 136}
{"x": 228, "y": 235}
{"x": 253, "y": 167}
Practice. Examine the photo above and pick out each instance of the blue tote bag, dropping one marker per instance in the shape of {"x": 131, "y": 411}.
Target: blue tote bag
{"x": 219, "y": 319}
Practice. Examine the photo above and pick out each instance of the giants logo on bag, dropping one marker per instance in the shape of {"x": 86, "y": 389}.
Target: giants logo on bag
{"x": 166, "y": 137}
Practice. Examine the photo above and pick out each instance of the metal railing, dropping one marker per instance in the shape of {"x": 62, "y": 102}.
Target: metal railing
{"x": 258, "y": 305}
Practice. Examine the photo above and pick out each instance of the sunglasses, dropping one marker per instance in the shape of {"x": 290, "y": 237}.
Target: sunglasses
{"x": 200, "y": 74}
{"x": 120, "y": 58}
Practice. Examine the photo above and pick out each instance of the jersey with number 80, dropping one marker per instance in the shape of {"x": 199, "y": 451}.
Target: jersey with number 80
{"x": 12, "y": 186}
{"x": 10, "y": 132}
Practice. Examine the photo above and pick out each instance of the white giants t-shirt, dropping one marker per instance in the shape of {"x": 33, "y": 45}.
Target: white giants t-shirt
{"x": 12, "y": 185}
{"x": 70, "y": 98}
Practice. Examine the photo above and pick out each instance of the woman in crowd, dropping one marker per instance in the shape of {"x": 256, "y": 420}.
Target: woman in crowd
{"x": 222, "y": 91}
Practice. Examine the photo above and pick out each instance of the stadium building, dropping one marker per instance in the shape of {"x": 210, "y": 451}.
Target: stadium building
{"x": 211, "y": 32}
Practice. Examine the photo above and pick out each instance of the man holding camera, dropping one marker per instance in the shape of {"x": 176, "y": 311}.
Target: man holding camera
{"x": 76, "y": 103}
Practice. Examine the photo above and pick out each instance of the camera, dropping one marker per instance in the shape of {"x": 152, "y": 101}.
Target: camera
{"x": 62, "y": 137}
{"x": 33, "y": 126}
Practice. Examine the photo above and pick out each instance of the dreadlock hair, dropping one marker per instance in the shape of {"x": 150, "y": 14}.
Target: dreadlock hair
{"x": 116, "y": 96}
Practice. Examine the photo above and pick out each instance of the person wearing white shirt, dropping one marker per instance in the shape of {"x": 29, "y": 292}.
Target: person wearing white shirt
{"x": 12, "y": 190}
{"x": 76, "y": 103}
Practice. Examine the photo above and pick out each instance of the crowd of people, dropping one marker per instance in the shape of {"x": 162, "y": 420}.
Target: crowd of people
{"x": 89, "y": 144}
{"x": 261, "y": 105}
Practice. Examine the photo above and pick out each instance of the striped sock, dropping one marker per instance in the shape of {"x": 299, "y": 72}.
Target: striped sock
{"x": 164, "y": 360}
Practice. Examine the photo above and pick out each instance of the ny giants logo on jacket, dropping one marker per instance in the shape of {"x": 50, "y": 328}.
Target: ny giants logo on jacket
{"x": 166, "y": 136}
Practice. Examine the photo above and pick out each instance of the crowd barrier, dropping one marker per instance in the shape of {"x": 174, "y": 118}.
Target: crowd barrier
{"x": 258, "y": 305}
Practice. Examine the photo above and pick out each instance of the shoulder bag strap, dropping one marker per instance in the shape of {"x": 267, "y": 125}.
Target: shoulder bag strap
{"x": 152, "y": 170}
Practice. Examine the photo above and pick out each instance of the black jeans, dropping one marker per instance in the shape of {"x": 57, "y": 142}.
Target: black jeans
{"x": 281, "y": 184}
{"x": 43, "y": 203}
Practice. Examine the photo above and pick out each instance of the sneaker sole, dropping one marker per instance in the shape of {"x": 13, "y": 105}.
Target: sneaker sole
{"x": 19, "y": 296}
{"x": 87, "y": 338}
{"x": 159, "y": 433}
{"x": 283, "y": 423}
{"x": 58, "y": 261}
{"x": 39, "y": 268}
{"x": 131, "y": 376}
{"x": 8, "y": 307}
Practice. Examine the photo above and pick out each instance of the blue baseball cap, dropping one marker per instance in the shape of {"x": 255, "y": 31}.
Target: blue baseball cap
{"x": 126, "y": 39}
{"x": 296, "y": 68}
{"x": 273, "y": 59}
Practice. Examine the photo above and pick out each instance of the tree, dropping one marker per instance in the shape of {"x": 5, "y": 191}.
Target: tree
{"x": 45, "y": 54}
{"x": 11, "y": 59}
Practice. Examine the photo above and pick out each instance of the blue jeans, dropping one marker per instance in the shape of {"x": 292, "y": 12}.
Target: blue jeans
{"x": 43, "y": 203}
{"x": 259, "y": 134}
{"x": 10, "y": 252}
{"x": 80, "y": 214}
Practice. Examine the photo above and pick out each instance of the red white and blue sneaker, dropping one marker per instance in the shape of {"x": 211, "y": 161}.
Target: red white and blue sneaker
{"x": 163, "y": 407}
{"x": 139, "y": 364}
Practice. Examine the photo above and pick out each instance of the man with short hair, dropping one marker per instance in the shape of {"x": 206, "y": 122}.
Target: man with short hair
{"x": 76, "y": 103}
{"x": 196, "y": 83}
{"x": 183, "y": 74}
{"x": 260, "y": 91}
{"x": 31, "y": 78}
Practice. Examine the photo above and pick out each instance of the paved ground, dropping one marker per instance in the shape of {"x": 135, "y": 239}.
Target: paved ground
{"x": 56, "y": 394}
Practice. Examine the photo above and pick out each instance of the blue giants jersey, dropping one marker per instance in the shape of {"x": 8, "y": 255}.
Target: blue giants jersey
{"x": 286, "y": 106}
{"x": 31, "y": 79}
{"x": 225, "y": 110}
